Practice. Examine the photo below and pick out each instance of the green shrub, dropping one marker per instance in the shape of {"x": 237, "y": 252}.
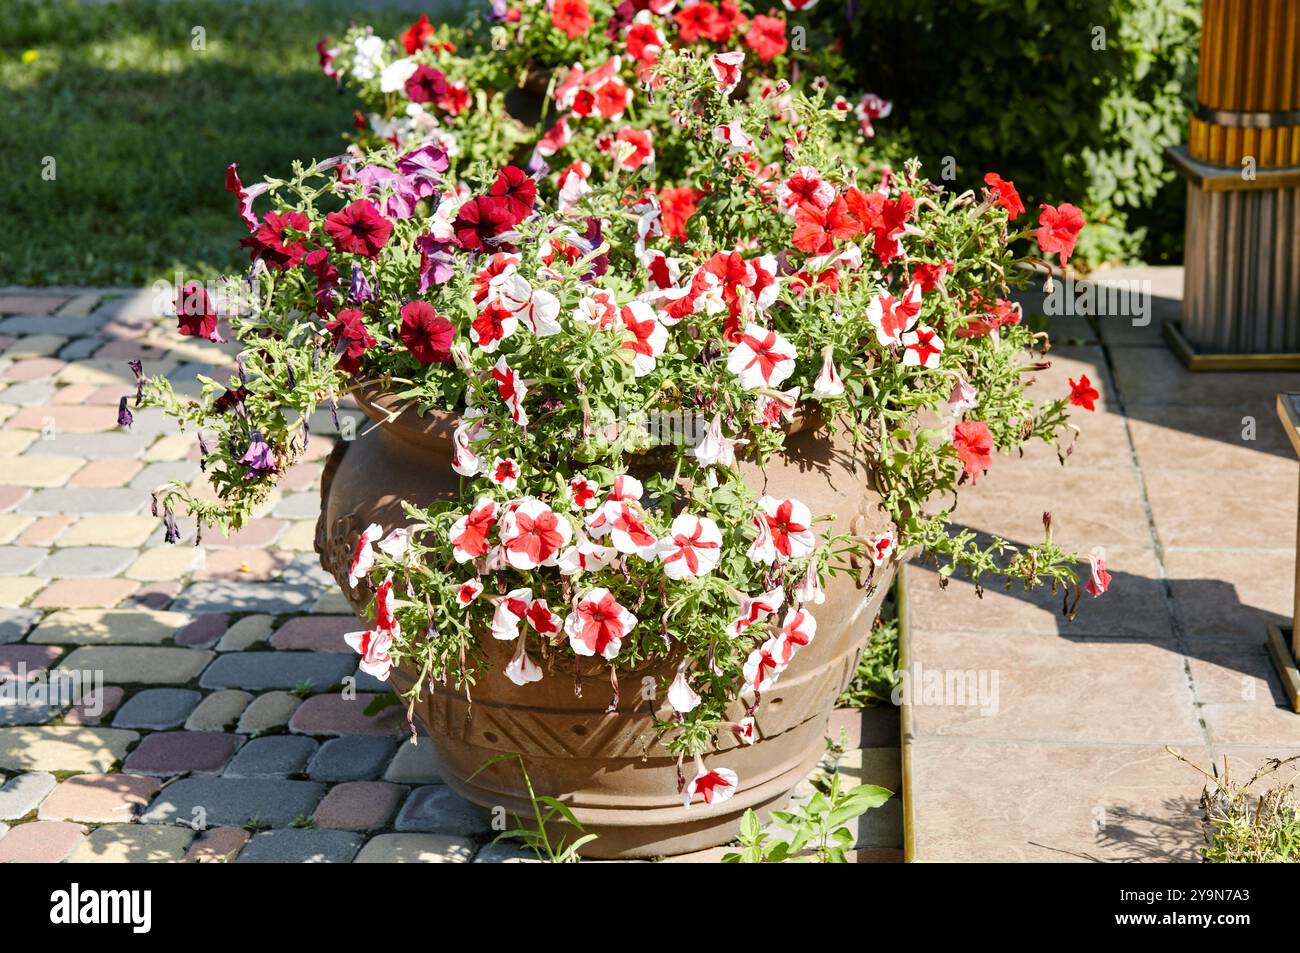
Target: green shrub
{"x": 1018, "y": 87}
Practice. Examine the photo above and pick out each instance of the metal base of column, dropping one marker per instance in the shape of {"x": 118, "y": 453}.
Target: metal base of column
{"x": 1195, "y": 360}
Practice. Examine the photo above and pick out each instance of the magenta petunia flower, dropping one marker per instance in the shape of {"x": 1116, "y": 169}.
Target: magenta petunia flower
{"x": 426, "y": 333}
{"x": 426, "y": 85}
{"x": 196, "y": 317}
{"x": 359, "y": 229}
{"x": 351, "y": 339}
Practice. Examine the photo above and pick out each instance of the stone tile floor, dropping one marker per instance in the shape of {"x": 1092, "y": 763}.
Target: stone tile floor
{"x": 1189, "y": 485}
{"x": 220, "y": 710}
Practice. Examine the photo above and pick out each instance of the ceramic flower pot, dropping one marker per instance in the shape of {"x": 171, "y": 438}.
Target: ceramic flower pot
{"x": 608, "y": 766}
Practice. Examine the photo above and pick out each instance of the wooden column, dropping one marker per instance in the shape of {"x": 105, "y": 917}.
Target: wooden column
{"x": 1241, "y": 306}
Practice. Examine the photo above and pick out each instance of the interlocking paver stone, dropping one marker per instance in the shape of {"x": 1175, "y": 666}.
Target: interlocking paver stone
{"x": 416, "y": 849}
{"x": 218, "y": 711}
{"x": 20, "y": 560}
{"x": 81, "y": 500}
{"x": 414, "y": 764}
{"x": 315, "y": 633}
{"x": 257, "y": 671}
{"x": 243, "y": 596}
{"x": 128, "y": 665}
{"x": 233, "y": 801}
{"x": 99, "y": 798}
{"x": 40, "y": 842}
{"x": 336, "y": 715}
{"x": 157, "y": 708}
{"x": 108, "y": 531}
{"x": 100, "y": 626}
{"x": 15, "y": 623}
{"x": 217, "y": 846}
{"x": 84, "y": 593}
{"x": 351, "y": 758}
{"x": 301, "y": 846}
{"x": 359, "y": 805}
{"x": 132, "y": 844}
{"x": 96, "y": 706}
{"x": 273, "y": 757}
{"x": 245, "y": 633}
{"x": 268, "y": 711}
{"x": 20, "y": 661}
{"x": 203, "y": 631}
{"x": 507, "y": 852}
{"x": 74, "y": 562}
{"x": 440, "y": 810}
{"x": 167, "y": 753}
{"x": 20, "y": 796}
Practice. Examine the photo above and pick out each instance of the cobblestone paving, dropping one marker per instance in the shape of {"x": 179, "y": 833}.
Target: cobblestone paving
{"x": 221, "y": 707}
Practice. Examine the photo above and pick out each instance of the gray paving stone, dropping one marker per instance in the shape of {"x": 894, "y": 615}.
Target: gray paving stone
{"x": 218, "y": 711}
{"x": 301, "y": 846}
{"x": 438, "y": 809}
{"x": 26, "y": 714}
{"x": 298, "y": 506}
{"x": 82, "y": 305}
{"x": 240, "y": 596}
{"x": 268, "y": 711}
{"x": 76, "y": 562}
{"x": 156, "y": 474}
{"x": 414, "y": 764}
{"x": 351, "y": 758}
{"x": 132, "y": 844}
{"x": 157, "y": 708}
{"x": 506, "y": 852}
{"x": 368, "y": 683}
{"x": 112, "y": 443}
{"x": 16, "y": 623}
{"x": 135, "y": 665}
{"x": 416, "y": 849}
{"x": 245, "y": 633}
{"x": 273, "y": 757}
{"x": 28, "y": 392}
{"x": 23, "y": 794}
{"x": 64, "y": 325}
{"x": 83, "y": 501}
{"x": 230, "y": 802}
{"x": 305, "y": 570}
{"x": 81, "y": 348}
{"x": 20, "y": 560}
{"x": 258, "y": 671}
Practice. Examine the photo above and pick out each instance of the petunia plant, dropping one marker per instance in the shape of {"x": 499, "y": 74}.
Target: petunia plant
{"x": 556, "y": 333}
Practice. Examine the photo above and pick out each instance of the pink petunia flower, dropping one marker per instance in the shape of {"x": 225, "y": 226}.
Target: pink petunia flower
{"x": 533, "y": 535}
{"x": 692, "y": 548}
{"x": 598, "y": 625}
{"x": 762, "y": 358}
{"x": 469, "y": 534}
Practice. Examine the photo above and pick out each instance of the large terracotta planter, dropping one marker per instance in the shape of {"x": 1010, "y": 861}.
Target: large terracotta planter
{"x": 610, "y": 770}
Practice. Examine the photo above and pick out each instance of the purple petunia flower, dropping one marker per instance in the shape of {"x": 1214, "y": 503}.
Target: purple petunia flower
{"x": 424, "y": 167}
{"x": 436, "y": 262}
{"x": 124, "y": 416}
{"x": 259, "y": 458}
{"x": 359, "y": 291}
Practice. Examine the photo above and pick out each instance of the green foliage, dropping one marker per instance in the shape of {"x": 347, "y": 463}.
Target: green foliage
{"x": 877, "y": 671}
{"x": 1243, "y": 828}
{"x": 142, "y": 126}
{"x": 538, "y": 838}
{"x": 819, "y": 831}
{"x": 1017, "y": 87}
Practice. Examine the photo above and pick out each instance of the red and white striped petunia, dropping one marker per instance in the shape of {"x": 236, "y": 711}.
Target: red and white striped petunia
{"x": 397, "y": 543}
{"x": 713, "y": 786}
{"x": 583, "y": 492}
{"x": 521, "y": 669}
{"x": 734, "y": 137}
{"x": 754, "y": 609}
{"x": 504, "y": 472}
{"x": 726, "y": 70}
{"x": 790, "y": 523}
{"x": 469, "y": 590}
{"x": 764, "y": 665}
{"x": 469, "y": 534}
{"x": 512, "y": 389}
{"x": 881, "y": 546}
{"x": 533, "y": 535}
{"x": 598, "y": 625}
{"x": 510, "y": 611}
{"x": 922, "y": 347}
{"x": 762, "y": 358}
{"x": 828, "y": 384}
{"x": 363, "y": 557}
{"x": 373, "y": 646}
{"x": 891, "y": 316}
{"x": 810, "y": 588}
{"x": 692, "y": 548}
{"x": 585, "y": 556}
{"x": 628, "y": 532}
{"x": 597, "y": 307}
{"x": 648, "y": 337}
{"x": 797, "y": 630}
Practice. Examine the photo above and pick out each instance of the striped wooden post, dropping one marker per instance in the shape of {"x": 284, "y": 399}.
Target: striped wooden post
{"x": 1241, "y": 304}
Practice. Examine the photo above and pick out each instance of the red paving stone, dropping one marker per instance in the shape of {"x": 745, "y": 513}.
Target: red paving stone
{"x": 106, "y": 473}
{"x": 156, "y": 595}
{"x": 203, "y": 631}
{"x": 111, "y": 699}
{"x": 11, "y": 496}
{"x": 217, "y": 846}
{"x": 242, "y": 564}
{"x": 84, "y": 593}
{"x": 320, "y": 633}
{"x": 44, "y": 531}
{"x": 359, "y": 805}
{"x": 99, "y": 798}
{"x": 40, "y": 842}
{"x": 35, "y": 369}
{"x": 33, "y": 658}
{"x": 165, "y": 753}
{"x": 335, "y": 715}
{"x": 74, "y": 394}
{"x": 69, "y": 419}
{"x": 256, "y": 534}
{"x": 30, "y": 304}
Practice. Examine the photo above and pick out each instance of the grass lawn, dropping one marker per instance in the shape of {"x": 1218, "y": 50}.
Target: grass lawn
{"x": 141, "y": 127}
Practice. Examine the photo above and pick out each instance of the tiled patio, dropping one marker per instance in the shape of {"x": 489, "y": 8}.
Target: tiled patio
{"x": 221, "y": 732}
{"x": 1198, "y": 523}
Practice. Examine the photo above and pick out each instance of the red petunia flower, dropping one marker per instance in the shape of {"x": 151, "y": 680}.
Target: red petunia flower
{"x": 196, "y": 317}
{"x": 426, "y": 85}
{"x": 974, "y": 445}
{"x": 1058, "y": 229}
{"x": 766, "y": 37}
{"x": 701, "y": 20}
{"x": 1008, "y": 197}
{"x": 359, "y": 229}
{"x": 351, "y": 339}
{"x": 572, "y": 17}
{"x": 816, "y": 229}
{"x": 517, "y": 190}
{"x": 482, "y": 219}
{"x": 1083, "y": 394}
{"x": 416, "y": 36}
{"x": 426, "y": 333}
{"x": 676, "y": 206}
{"x": 274, "y": 245}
